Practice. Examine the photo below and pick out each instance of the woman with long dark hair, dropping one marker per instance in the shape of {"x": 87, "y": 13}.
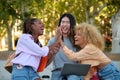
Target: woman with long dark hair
{"x": 67, "y": 23}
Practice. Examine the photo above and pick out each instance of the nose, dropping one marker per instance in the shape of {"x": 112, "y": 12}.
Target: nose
{"x": 75, "y": 36}
{"x": 65, "y": 23}
{"x": 42, "y": 25}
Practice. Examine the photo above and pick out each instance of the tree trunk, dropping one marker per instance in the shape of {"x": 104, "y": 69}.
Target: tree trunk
{"x": 87, "y": 12}
{"x": 116, "y": 33}
{"x": 89, "y": 17}
{"x": 9, "y": 37}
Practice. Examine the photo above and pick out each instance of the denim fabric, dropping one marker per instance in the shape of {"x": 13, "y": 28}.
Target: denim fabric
{"x": 56, "y": 76}
{"x": 109, "y": 72}
{"x": 23, "y": 73}
{"x": 74, "y": 77}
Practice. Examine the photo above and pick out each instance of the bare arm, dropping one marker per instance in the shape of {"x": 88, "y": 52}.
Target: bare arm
{"x": 52, "y": 52}
{"x": 53, "y": 49}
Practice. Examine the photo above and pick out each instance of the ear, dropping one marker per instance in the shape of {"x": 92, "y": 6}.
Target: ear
{"x": 33, "y": 27}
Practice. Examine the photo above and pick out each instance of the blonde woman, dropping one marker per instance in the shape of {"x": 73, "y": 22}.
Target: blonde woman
{"x": 92, "y": 44}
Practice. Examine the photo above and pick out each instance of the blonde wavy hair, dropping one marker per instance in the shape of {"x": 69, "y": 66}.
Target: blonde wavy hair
{"x": 91, "y": 35}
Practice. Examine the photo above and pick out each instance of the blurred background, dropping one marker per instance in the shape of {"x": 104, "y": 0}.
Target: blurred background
{"x": 105, "y": 14}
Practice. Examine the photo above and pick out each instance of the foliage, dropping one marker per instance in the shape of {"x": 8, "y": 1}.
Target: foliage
{"x": 92, "y": 11}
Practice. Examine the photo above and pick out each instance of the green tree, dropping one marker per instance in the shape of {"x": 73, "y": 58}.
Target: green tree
{"x": 50, "y": 10}
{"x": 12, "y": 10}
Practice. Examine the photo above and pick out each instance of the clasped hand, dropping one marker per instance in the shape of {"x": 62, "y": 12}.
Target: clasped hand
{"x": 59, "y": 36}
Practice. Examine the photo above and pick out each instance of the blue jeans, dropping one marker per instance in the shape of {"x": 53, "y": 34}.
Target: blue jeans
{"x": 109, "y": 72}
{"x": 23, "y": 73}
{"x": 56, "y": 75}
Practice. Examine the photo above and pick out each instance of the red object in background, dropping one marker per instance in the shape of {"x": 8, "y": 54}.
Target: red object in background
{"x": 42, "y": 64}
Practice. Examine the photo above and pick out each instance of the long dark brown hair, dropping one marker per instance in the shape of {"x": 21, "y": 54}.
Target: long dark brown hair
{"x": 72, "y": 24}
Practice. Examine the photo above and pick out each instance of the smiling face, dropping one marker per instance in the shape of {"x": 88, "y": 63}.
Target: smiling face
{"x": 65, "y": 24}
{"x": 38, "y": 28}
{"x": 79, "y": 39}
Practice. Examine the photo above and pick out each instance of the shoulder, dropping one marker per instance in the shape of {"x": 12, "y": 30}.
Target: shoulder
{"x": 90, "y": 46}
{"x": 52, "y": 40}
{"x": 90, "y": 49}
{"x": 26, "y": 36}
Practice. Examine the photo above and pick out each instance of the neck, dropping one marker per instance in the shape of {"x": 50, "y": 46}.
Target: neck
{"x": 83, "y": 45}
{"x": 65, "y": 35}
{"x": 35, "y": 38}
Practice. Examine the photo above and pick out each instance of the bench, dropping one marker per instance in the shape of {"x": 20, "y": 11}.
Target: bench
{"x": 112, "y": 56}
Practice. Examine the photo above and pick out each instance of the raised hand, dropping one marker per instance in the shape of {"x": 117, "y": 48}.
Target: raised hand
{"x": 58, "y": 34}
